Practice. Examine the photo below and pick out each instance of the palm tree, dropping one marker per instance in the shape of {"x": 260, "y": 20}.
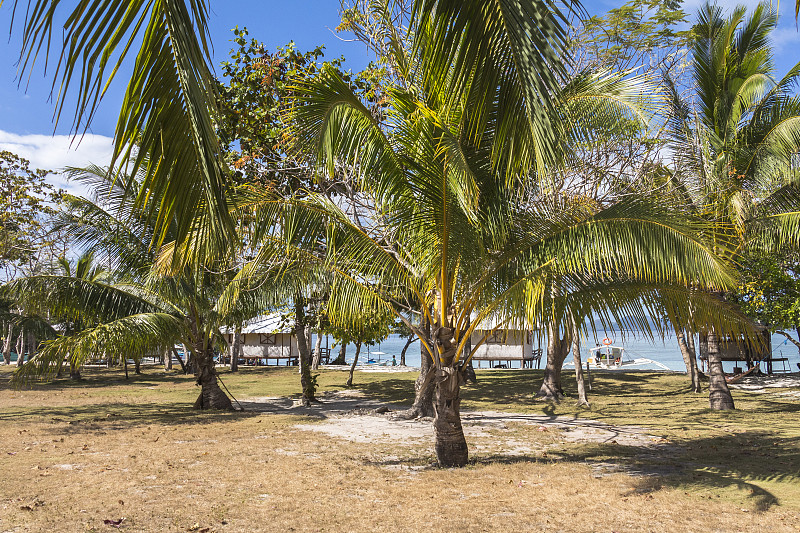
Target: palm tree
{"x": 140, "y": 310}
{"x": 447, "y": 221}
{"x": 733, "y": 150}
{"x": 85, "y": 269}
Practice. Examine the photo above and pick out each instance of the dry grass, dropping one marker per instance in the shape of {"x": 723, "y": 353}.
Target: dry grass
{"x": 74, "y": 455}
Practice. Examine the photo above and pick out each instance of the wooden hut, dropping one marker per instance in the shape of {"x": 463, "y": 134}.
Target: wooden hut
{"x": 266, "y": 338}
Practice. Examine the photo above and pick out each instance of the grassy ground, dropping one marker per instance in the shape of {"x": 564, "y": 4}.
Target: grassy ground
{"x": 75, "y": 454}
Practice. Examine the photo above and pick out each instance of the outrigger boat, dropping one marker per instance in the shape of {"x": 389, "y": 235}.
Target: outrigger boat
{"x": 610, "y": 357}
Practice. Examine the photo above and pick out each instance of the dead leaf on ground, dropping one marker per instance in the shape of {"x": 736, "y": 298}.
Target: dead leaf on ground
{"x": 114, "y": 523}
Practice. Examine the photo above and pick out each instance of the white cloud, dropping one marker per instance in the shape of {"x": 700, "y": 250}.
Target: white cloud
{"x": 55, "y": 152}
{"x": 784, "y": 37}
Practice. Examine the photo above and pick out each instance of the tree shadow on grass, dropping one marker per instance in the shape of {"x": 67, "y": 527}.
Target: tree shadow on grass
{"x": 117, "y": 416}
{"x": 102, "y": 377}
{"x": 741, "y": 461}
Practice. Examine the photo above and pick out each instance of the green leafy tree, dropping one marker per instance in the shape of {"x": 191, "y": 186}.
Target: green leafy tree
{"x": 372, "y": 327}
{"x": 643, "y": 34}
{"x": 26, "y": 200}
{"x": 252, "y": 100}
{"x": 769, "y": 291}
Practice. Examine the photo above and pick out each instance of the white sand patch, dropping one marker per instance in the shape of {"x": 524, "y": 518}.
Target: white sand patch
{"x": 369, "y": 428}
{"x": 760, "y": 383}
{"x": 350, "y": 415}
{"x": 68, "y": 467}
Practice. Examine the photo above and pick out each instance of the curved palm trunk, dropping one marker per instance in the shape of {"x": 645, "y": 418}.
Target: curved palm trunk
{"x": 424, "y": 386}
{"x": 702, "y": 339}
{"x": 211, "y": 395}
{"x": 7, "y": 345}
{"x": 411, "y": 338}
{"x": 693, "y": 353}
{"x": 557, "y": 351}
{"x": 340, "y": 359}
{"x": 349, "y": 382}
{"x": 719, "y": 395}
{"x": 21, "y": 348}
{"x": 317, "y": 352}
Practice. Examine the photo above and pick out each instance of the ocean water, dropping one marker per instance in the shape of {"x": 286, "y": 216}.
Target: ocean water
{"x": 665, "y": 352}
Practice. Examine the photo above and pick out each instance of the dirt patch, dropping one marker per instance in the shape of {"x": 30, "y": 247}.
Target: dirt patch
{"x": 351, "y": 416}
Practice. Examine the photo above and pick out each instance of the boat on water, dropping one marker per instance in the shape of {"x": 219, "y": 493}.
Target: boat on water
{"x": 609, "y": 357}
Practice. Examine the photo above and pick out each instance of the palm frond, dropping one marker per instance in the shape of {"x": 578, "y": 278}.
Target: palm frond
{"x": 165, "y": 124}
{"x": 129, "y": 336}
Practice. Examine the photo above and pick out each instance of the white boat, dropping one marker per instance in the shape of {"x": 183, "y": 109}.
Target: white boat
{"x": 610, "y": 357}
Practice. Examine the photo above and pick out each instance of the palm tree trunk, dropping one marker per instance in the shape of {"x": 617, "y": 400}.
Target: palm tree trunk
{"x": 340, "y": 359}
{"x": 180, "y": 359}
{"x": 693, "y": 353}
{"x": 317, "y": 352}
{"x": 576, "y": 357}
{"x": 211, "y": 395}
{"x": 557, "y": 350}
{"x": 7, "y": 345}
{"x": 689, "y": 358}
{"x": 21, "y": 348}
{"x": 411, "y": 338}
{"x": 719, "y": 395}
{"x": 32, "y": 345}
{"x": 349, "y": 382}
{"x": 702, "y": 340}
{"x": 424, "y": 386}
{"x": 451, "y": 446}
{"x": 236, "y": 349}
{"x": 300, "y": 334}
{"x": 168, "y": 359}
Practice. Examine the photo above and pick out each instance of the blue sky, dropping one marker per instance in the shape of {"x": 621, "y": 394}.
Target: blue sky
{"x": 26, "y": 115}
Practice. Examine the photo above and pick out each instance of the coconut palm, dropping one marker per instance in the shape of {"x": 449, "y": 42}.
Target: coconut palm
{"x": 137, "y": 312}
{"x": 733, "y": 149}
{"x": 84, "y": 269}
{"x": 447, "y": 217}
{"x": 171, "y": 95}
